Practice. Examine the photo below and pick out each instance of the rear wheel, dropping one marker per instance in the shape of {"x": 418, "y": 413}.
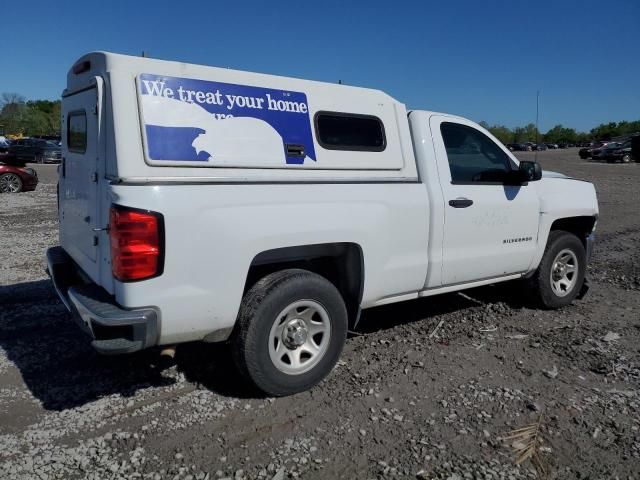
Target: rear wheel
{"x": 291, "y": 329}
{"x": 10, "y": 183}
{"x": 560, "y": 275}
{"x": 626, "y": 158}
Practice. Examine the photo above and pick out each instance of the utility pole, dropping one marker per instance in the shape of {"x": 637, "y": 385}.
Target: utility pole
{"x": 537, "y": 112}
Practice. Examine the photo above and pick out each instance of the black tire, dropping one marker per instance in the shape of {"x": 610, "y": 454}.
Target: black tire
{"x": 541, "y": 282}
{"x": 261, "y": 309}
{"x": 10, "y": 183}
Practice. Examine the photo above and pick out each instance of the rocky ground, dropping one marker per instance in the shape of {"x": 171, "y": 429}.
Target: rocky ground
{"x": 425, "y": 389}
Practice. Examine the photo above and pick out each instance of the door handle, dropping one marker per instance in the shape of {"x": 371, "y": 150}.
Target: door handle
{"x": 461, "y": 203}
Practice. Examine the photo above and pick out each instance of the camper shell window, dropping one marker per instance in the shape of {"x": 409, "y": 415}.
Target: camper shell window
{"x": 77, "y": 132}
{"x": 350, "y": 131}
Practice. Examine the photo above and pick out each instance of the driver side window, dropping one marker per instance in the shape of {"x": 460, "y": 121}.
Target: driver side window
{"x": 473, "y": 157}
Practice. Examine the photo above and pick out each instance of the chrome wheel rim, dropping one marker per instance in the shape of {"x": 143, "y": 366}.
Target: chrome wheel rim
{"x": 299, "y": 337}
{"x": 10, "y": 183}
{"x": 564, "y": 273}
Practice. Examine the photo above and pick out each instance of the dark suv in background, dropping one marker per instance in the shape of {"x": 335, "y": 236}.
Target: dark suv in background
{"x": 34, "y": 150}
{"x": 592, "y": 150}
{"x": 518, "y": 147}
{"x": 618, "y": 153}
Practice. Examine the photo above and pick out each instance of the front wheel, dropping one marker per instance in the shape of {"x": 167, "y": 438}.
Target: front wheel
{"x": 290, "y": 331}
{"x": 560, "y": 275}
{"x": 10, "y": 183}
{"x": 626, "y": 158}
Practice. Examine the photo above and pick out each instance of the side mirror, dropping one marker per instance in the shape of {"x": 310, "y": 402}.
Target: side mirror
{"x": 530, "y": 171}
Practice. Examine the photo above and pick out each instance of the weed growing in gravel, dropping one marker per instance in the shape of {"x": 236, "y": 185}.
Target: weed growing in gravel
{"x": 527, "y": 442}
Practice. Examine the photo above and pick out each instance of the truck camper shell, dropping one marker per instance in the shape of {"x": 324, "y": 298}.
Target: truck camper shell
{"x": 201, "y": 123}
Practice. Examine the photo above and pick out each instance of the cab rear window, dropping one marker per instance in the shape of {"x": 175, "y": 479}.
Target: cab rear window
{"x": 77, "y": 132}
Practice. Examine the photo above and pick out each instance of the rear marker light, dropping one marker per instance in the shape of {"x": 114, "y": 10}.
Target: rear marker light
{"x": 136, "y": 243}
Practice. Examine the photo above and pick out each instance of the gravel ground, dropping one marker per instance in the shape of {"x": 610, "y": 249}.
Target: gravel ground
{"x": 402, "y": 403}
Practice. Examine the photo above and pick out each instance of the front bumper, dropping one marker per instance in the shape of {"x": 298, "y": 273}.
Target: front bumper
{"x": 113, "y": 329}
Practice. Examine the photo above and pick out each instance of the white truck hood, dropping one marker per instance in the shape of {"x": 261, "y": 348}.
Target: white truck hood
{"x": 560, "y": 198}
{"x": 550, "y": 174}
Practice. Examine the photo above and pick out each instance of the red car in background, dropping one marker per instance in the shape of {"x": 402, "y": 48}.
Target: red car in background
{"x": 17, "y": 179}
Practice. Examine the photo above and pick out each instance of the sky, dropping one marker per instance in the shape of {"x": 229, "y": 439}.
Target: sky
{"x": 483, "y": 60}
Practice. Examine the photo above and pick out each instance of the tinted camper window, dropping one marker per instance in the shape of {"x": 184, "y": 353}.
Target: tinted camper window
{"x": 77, "y": 132}
{"x": 350, "y": 131}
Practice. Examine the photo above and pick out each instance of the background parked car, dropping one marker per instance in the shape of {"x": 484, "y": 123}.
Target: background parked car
{"x": 517, "y": 147}
{"x": 15, "y": 179}
{"x": 622, "y": 153}
{"x": 540, "y": 147}
{"x": 587, "y": 151}
{"x": 552, "y": 146}
{"x": 34, "y": 150}
{"x": 635, "y": 148}
{"x": 57, "y": 139}
{"x": 602, "y": 152}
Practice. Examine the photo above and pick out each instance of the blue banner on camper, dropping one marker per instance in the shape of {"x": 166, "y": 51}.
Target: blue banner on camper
{"x": 197, "y": 120}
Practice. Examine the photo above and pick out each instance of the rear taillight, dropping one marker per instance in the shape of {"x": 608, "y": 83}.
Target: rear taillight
{"x": 136, "y": 243}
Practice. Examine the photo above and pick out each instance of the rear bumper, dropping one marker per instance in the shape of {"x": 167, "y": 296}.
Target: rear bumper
{"x": 113, "y": 329}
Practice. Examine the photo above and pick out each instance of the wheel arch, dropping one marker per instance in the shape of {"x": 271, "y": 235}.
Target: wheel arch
{"x": 580, "y": 225}
{"x": 342, "y": 263}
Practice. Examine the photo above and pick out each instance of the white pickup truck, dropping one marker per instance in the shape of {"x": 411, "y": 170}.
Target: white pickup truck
{"x": 201, "y": 203}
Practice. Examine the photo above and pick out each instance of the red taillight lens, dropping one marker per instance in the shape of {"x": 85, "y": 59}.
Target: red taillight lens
{"x": 136, "y": 243}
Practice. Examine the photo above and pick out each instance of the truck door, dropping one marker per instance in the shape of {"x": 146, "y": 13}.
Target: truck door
{"x": 490, "y": 229}
{"x": 78, "y": 177}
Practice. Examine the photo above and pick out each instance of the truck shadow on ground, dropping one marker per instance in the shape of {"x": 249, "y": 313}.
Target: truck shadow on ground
{"x": 512, "y": 294}
{"x": 62, "y": 371}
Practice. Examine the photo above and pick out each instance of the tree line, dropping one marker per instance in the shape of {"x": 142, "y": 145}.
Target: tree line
{"x": 29, "y": 117}
{"x": 562, "y": 134}
{"x": 19, "y": 116}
